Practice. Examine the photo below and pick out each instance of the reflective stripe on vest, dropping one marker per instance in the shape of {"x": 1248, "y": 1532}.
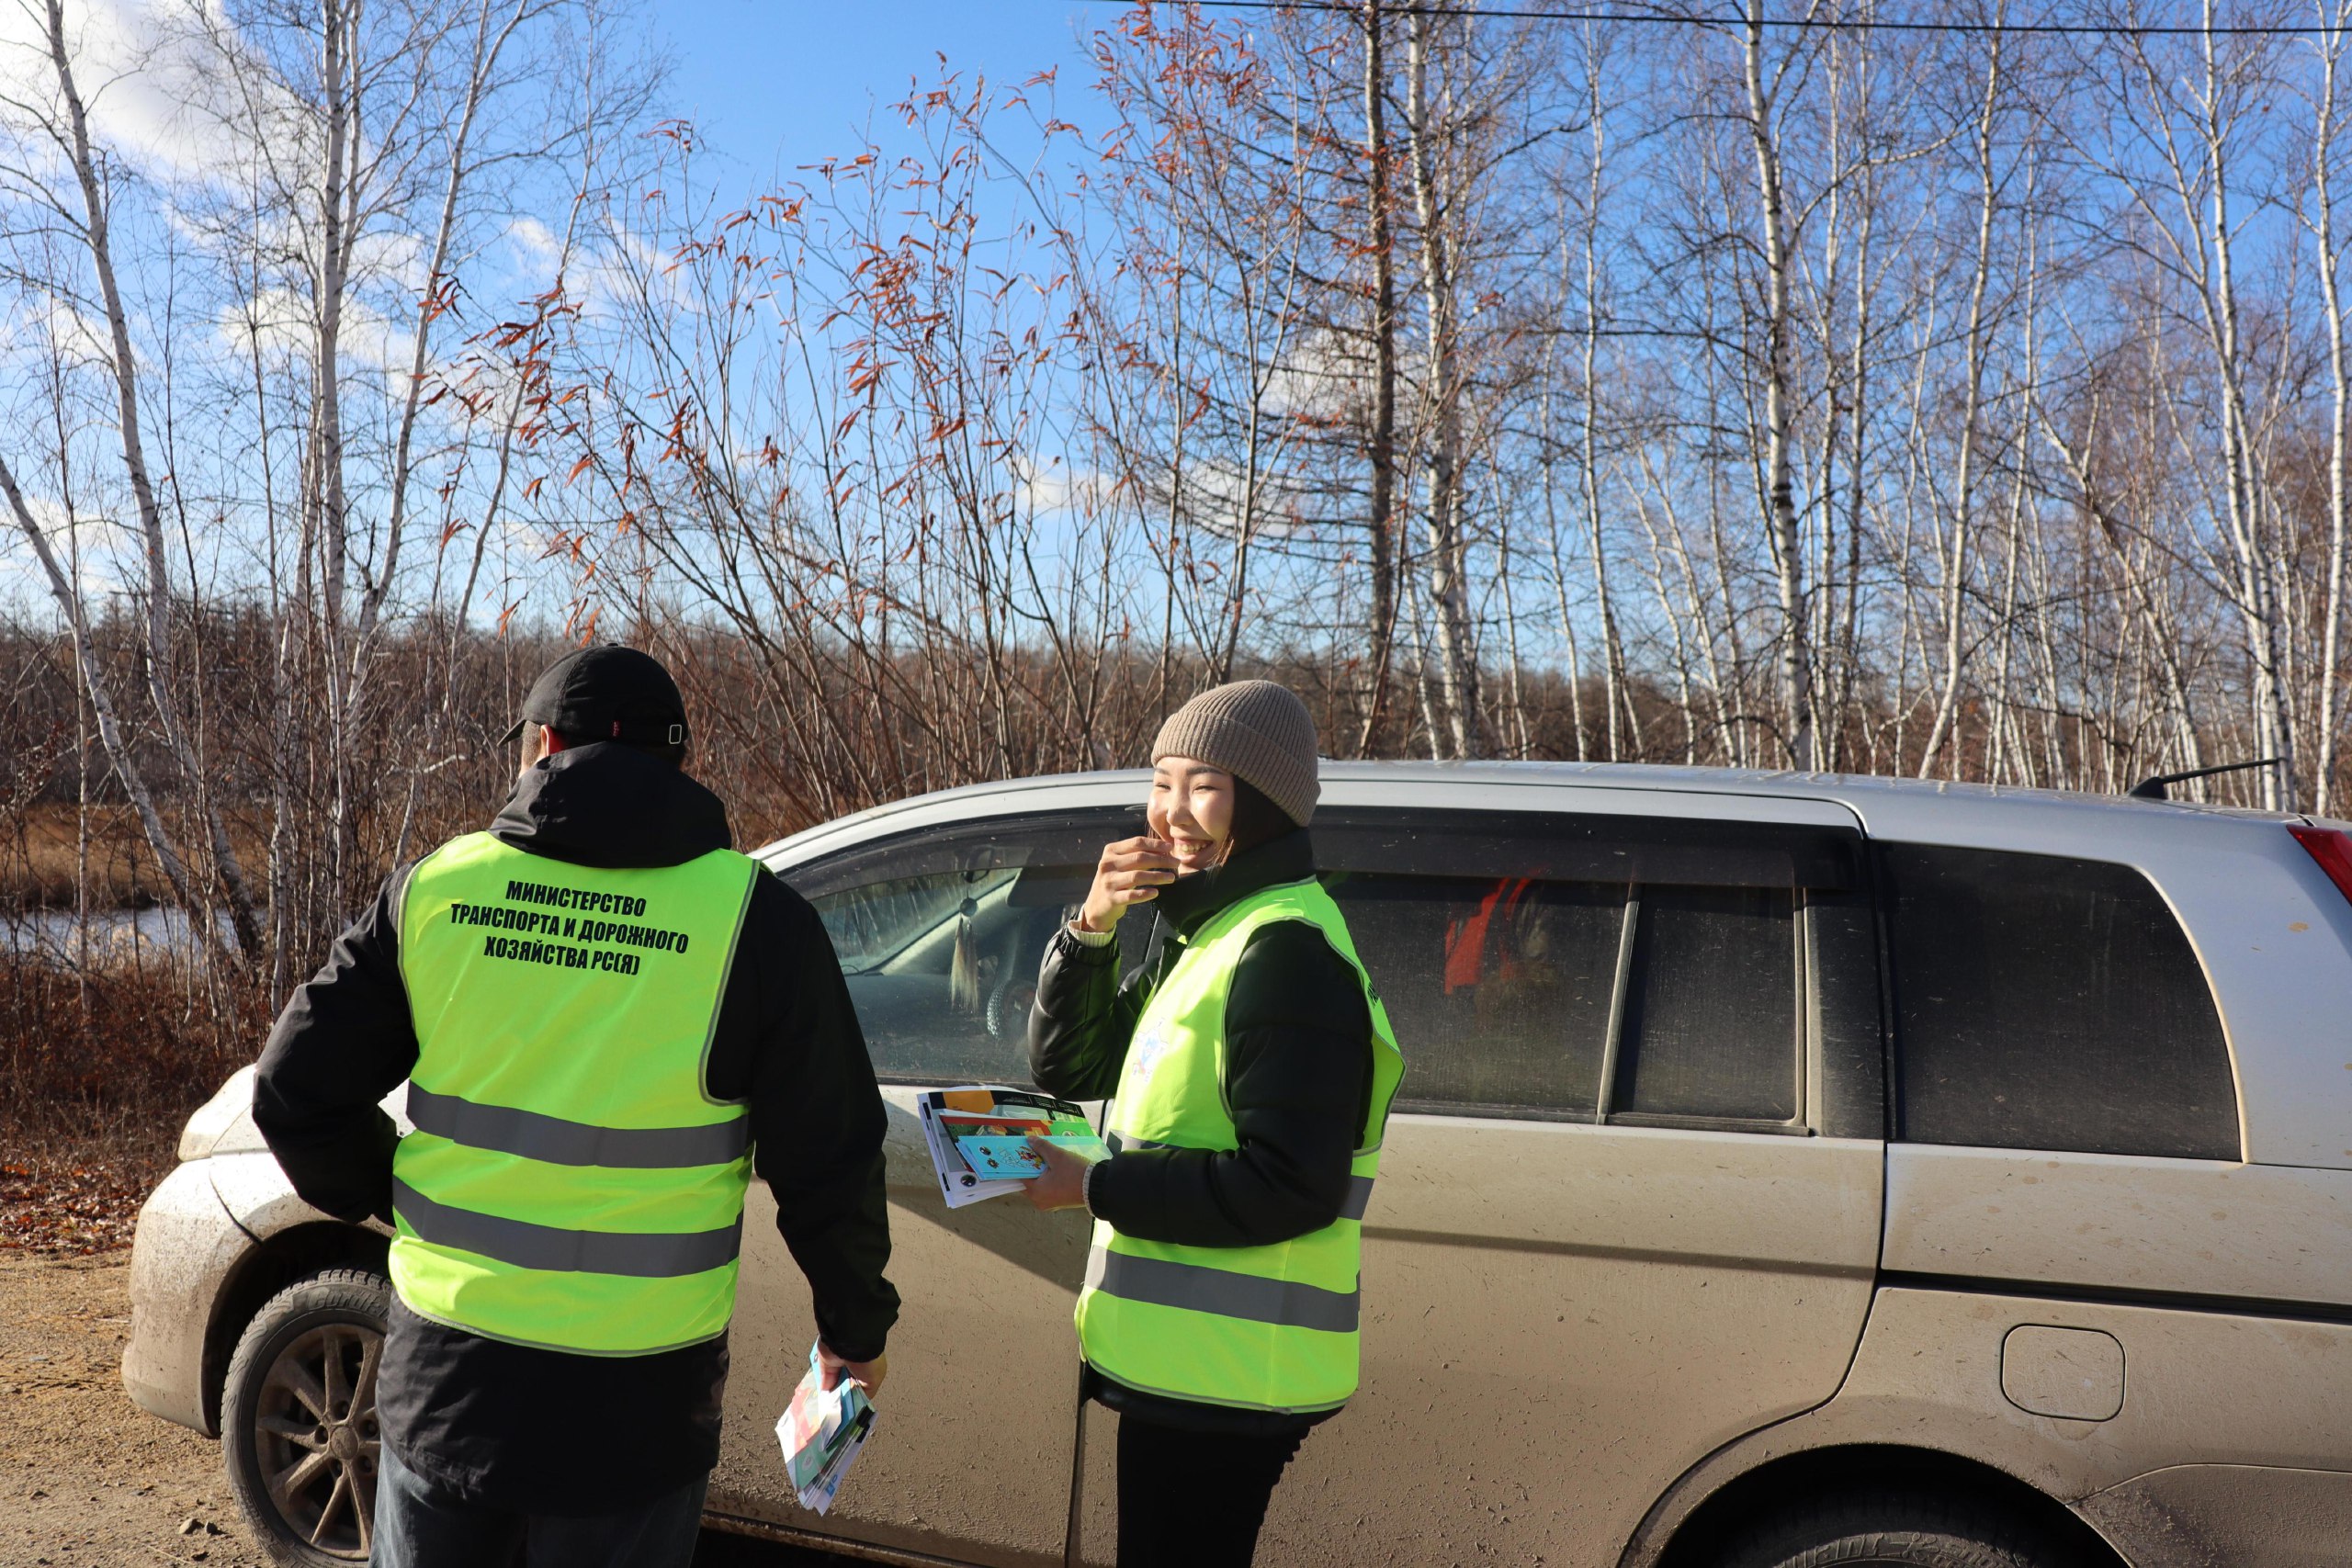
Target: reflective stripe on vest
{"x": 1351, "y": 1207}
{"x": 1164, "y": 1281}
{"x": 570, "y": 1184}
{"x": 1254, "y": 1328}
{"x": 558, "y": 1142}
{"x": 655, "y": 1256}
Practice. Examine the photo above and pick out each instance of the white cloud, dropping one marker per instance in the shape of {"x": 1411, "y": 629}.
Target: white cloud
{"x": 146, "y": 72}
{"x": 86, "y": 548}
{"x": 607, "y": 264}
{"x": 1051, "y": 485}
{"x": 42, "y": 324}
{"x": 537, "y": 250}
{"x": 394, "y": 256}
{"x": 281, "y": 322}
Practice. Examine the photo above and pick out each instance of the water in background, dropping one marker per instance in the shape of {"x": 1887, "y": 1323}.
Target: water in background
{"x": 117, "y": 936}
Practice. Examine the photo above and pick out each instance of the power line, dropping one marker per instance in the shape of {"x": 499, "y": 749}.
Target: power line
{"x": 1846, "y": 24}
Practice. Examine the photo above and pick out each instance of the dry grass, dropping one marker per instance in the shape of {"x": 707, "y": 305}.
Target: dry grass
{"x": 97, "y": 1073}
{"x": 38, "y": 857}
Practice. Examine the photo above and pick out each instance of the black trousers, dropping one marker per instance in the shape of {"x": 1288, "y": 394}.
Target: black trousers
{"x": 1193, "y": 1499}
{"x": 419, "y": 1525}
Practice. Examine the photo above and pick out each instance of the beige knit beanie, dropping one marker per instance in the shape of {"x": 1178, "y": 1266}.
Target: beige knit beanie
{"x": 1257, "y": 731}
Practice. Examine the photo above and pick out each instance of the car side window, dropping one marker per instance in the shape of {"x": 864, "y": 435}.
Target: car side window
{"x": 940, "y": 933}
{"x": 1711, "y": 1026}
{"x": 1497, "y": 988}
{"x": 1588, "y": 968}
{"x": 2043, "y": 1002}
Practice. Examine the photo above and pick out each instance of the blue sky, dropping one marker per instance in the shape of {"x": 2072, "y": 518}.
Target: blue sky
{"x": 774, "y": 84}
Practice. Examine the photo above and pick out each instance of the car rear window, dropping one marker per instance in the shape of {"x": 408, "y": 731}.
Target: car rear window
{"x": 2045, "y": 1002}
{"x": 1711, "y": 1019}
{"x": 1587, "y": 967}
{"x": 1498, "y": 987}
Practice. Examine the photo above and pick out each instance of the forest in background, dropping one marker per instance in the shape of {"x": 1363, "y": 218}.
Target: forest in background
{"x": 1956, "y": 391}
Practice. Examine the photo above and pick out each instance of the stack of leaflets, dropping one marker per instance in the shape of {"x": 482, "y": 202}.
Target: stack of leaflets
{"x": 822, "y": 1430}
{"x": 979, "y": 1137}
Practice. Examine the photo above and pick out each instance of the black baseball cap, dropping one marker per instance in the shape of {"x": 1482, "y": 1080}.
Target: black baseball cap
{"x": 606, "y": 692}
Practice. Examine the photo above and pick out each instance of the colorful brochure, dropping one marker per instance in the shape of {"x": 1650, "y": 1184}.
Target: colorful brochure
{"x": 822, "y": 1430}
{"x": 979, "y": 1138}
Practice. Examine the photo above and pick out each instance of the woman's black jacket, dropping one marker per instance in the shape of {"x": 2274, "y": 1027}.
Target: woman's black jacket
{"x": 1297, "y": 1085}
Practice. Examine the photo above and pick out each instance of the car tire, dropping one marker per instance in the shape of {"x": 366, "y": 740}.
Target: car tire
{"x": 1008, "y": 1011}
{"x": 1893, "y": 1528}
{"x": 298, "y": 1417}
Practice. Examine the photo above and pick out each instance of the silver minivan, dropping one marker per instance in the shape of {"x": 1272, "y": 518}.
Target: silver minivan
{"x": 1789, "y": 1168}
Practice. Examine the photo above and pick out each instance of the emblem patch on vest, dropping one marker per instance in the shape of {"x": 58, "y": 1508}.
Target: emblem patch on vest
{"x": 1149, "y": 1051}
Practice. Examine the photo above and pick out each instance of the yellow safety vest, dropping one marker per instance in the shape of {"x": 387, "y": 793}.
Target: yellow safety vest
{"x": 570, "y": 1183}
{"x": 1254, "y": 1328}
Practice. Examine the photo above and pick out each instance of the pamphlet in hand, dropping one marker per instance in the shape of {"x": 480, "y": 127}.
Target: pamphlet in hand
{"x": 979, "y": 1137}
{"x": 822, "y": 1430}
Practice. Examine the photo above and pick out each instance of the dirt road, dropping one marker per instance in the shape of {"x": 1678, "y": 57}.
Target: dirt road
{"x": 88, "y": 1480}
{"x": 85, "y": 1476}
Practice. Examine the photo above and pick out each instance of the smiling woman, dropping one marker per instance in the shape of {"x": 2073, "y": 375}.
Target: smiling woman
{"x": 1253, "y": 1065}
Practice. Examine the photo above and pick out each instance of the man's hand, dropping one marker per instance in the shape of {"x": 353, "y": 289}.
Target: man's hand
{"x": 1064, "y": 1184}
{"x": 1132, "y": 871}
{"x": 870, "y": 1373}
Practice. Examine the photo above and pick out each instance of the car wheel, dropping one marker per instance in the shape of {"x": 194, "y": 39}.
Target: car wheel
{"x": 298, "y": 1417}
{"x": 1008, "y": 1013}
{"x": 1897, "y": 1530}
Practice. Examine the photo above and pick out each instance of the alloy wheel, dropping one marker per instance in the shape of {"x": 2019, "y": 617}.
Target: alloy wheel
{"x": 317, "y": 1438}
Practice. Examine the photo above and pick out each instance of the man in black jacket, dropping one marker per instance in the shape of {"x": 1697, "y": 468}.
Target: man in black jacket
{"x": 490, "y": 1446}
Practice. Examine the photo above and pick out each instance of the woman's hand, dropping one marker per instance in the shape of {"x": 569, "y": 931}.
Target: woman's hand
{"x": 1132, "y": 871}
{"x": 1064, "y": 1184}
